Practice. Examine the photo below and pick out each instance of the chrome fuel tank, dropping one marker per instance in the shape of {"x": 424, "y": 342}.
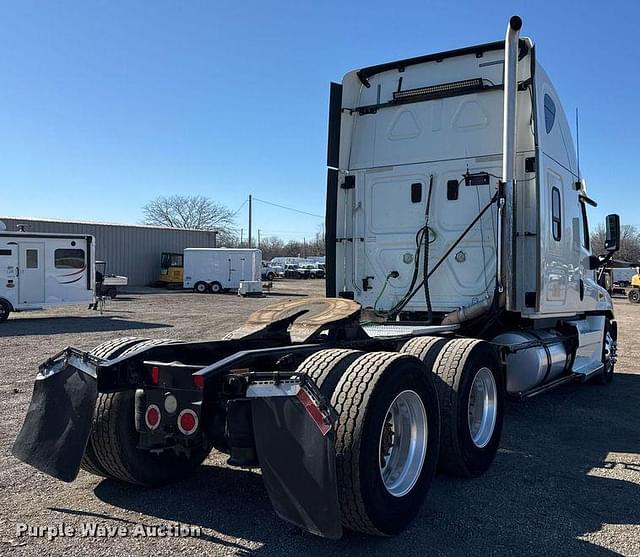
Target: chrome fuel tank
{"x": 531, "y": 367}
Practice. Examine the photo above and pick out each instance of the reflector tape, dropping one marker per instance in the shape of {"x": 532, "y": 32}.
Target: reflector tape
{"x": 313, "y": 410}
{"x": 443, "y": 89}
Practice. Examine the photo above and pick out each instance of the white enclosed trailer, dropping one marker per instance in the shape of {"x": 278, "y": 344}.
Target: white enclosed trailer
{"x": 218, "y": 269}
{"x": 40, "y": 270}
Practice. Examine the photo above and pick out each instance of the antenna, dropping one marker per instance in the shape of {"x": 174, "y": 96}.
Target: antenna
{"x": 578, "y": 141}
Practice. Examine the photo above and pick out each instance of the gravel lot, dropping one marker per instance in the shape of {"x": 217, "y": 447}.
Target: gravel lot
{"x": 566, "y": 480}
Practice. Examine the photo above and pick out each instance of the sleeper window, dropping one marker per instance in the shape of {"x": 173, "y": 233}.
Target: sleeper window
{"x": 69, "y": 258}
{"x": 549, "y": 113}
{"x": 556, "y": 214}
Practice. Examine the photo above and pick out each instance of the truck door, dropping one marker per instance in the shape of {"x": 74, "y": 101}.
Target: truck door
{"x": 31, "y": 273}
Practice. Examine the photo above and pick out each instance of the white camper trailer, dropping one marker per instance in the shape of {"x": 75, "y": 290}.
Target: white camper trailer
{"x": 218, "y": 269}
{"x": 40, "y": 270}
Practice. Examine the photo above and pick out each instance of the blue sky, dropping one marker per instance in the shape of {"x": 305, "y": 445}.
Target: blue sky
{"x": 104, "y": 105}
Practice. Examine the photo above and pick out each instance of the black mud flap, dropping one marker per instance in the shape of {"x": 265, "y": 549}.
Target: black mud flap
{"x": 58, "y": 422}
{"x": 296, "y": 451}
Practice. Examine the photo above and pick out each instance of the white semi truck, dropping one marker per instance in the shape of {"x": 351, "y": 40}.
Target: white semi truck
{"x": 459, "y": 273}
{"x": 39, "y": 270}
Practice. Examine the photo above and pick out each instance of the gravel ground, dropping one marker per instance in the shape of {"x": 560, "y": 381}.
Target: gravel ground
{"x": 566, "y": 479}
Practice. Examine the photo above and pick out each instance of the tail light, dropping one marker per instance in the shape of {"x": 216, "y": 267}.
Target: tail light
{"x": 152, "y": 416}
{"x": 187, "y": 422}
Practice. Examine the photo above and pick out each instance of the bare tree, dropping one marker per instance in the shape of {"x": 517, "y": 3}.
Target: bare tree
{"x": 189, "y": 211}
{"x": 629, "y": 242}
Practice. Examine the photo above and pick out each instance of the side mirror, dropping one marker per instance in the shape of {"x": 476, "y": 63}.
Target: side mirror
{"x": 612, "y": 242}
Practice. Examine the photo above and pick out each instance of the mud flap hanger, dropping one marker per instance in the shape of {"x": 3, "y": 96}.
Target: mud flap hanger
{"x": 294, "y": 432}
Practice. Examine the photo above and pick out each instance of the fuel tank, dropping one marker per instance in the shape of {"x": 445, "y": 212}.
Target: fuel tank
{"x": 532, "y": 366}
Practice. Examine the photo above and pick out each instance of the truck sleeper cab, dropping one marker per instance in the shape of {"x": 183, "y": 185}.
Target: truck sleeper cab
{"x": 453, "y": 281}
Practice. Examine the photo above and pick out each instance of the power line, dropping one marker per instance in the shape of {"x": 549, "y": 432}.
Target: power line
{"x": 239, "y": 208}
{"x": 288, "y": 208}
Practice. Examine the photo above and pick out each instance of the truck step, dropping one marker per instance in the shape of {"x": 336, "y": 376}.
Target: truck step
{"x": 587, "y": 367}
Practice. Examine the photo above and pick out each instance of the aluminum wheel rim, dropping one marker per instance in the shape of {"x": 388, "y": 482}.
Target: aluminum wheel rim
{"x": 482, "y": 407}
{"x": 610, "y": 353}
{"x": 402, "y": 446}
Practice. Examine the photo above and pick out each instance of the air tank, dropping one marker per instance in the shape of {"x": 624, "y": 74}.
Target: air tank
{"x": 533, "y": 366}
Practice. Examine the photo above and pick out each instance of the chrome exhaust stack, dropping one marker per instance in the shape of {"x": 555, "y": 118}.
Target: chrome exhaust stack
{"x": 506, "y": 232}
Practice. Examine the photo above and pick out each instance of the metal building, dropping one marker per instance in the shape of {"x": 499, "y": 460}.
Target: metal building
{"x": 130, "y": 250}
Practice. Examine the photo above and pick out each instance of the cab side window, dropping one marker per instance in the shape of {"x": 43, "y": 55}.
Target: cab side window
{"x": 585, "y": 226}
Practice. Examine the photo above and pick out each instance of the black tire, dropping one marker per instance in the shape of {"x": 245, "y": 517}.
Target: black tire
{"x": 5, "y": 310}
{"x": 201, "y": 287}
{"x": 426, "y": 349}
{"x": 108, "y": 351}
{"x": 362, "y": 400}
{"x": 326, "y": 367}
{"x": 634, "y": 295}
{"x": 114, "y": 440}
{"x": 270, "y": 276}
{"x": 455, "y": 369}
{"x": 112, "y": 293}
{"x": 215, "y": 287}
{"x": 609, "y": 352}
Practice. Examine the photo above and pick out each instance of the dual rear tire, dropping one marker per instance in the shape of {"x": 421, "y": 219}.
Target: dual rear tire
{"x": 387, "y": 435}
{"x": 112, "y": 449}
{"x": 437, "y": 404}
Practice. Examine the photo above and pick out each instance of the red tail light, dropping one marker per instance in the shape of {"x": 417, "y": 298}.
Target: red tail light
{"x": 187, "y": 422}
{"x": 152, "y": 416}
{"x": 155, "y": 375}
{"x": 198, "y": 381}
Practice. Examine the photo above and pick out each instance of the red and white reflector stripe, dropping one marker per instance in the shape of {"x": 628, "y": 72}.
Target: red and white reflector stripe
{"x": 312, "y": 408}
{"x": 187, "y": 421}
{"x": 152, "y": 416}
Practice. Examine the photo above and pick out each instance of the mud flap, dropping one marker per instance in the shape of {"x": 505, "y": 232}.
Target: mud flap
{"x": 58, "y": 422}
{"x": 297, "y": 456}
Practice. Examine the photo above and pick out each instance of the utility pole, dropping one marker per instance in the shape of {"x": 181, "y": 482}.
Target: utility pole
{"x": 258, "y": 238}
{"x": 250, "y": 220}
{"x": 241, "y": 236}
{"x": 304, "y": 250}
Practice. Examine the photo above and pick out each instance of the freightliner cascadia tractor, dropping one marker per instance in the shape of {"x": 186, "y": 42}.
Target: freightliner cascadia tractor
{"x": 459, "y": 273}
